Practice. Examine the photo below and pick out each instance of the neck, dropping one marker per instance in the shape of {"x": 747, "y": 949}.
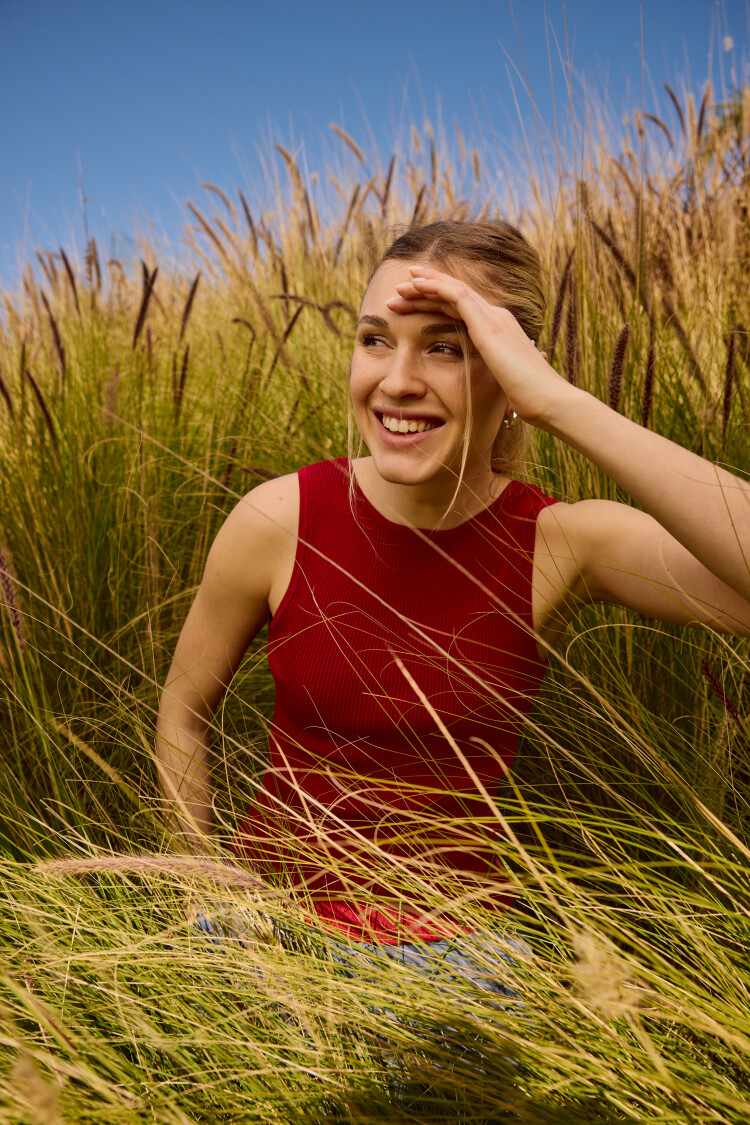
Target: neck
{"x": 434, "y": 503}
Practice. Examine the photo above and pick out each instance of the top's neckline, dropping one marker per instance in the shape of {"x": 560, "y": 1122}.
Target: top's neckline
{"x": 485, "y": 514}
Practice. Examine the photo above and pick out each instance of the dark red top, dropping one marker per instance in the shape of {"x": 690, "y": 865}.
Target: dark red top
{"x": 357, "y": 760}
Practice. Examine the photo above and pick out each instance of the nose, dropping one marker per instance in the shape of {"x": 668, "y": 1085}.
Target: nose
{"x": 402, "y": 377}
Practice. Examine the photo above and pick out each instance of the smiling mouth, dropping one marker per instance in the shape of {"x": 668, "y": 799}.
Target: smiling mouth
{"x": 396, "y": 425}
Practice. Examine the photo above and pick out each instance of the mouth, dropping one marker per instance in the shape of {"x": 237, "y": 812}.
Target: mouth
{"x": 398, "y": 425}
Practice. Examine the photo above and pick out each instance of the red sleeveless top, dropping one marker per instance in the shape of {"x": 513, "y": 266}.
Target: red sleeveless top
{"x": 362, "y": 784}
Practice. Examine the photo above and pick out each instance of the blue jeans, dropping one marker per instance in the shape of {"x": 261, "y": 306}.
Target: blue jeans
{"x": 486, "y": 963}
{"x": 462, "y": 958}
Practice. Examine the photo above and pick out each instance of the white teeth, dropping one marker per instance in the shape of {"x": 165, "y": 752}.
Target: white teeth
{"x": 402, "y": 426}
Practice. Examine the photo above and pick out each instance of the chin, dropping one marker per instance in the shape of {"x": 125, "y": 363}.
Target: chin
{"x": 395, "y": 468}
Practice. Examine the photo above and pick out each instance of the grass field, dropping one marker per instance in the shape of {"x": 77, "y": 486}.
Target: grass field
{"x": 137, "y": 403}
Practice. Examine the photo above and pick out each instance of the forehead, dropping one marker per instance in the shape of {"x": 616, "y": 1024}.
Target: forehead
{"x": 383, "y": 284}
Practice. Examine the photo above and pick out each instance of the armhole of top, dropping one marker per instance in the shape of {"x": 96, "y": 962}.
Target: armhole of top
{"x": 541, "y": 501}
{"x": 534, "y": 502}
{"x": 302, "y": 476}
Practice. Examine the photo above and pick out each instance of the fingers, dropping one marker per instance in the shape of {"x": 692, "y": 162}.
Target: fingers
{"x": 431, "y": 291}
{"x": 415, "y": 304}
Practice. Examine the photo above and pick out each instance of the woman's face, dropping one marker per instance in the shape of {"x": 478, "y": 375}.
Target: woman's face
{"x": 408, "y": 390}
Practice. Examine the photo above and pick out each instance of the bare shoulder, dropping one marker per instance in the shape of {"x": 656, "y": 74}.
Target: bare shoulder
{"x": 269, "y": 511}
{"x": 258, "y": 538}
{"x": 578, "y": 529}
{"x": 568, "y": 539}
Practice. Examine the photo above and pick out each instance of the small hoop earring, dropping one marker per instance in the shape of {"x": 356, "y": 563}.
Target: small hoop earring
{"x": 509, "y": 420}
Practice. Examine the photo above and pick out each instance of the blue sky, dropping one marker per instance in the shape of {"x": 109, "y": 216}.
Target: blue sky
{"x": 145, "y": 99}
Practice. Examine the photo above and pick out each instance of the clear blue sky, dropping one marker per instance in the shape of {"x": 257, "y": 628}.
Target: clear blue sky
{"x": 150, "y": 97}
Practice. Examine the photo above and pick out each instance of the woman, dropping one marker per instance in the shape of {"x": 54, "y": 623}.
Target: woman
{"x": 414, "y": 593}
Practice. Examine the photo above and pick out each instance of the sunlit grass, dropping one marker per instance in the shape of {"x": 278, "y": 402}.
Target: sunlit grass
{"x": 135, "y": 408}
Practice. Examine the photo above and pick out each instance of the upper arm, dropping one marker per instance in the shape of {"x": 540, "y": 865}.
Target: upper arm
{"x": 248, "y": 556}
{"x": 598, "y": 550}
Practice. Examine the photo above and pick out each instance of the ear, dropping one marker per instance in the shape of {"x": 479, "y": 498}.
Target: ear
{"x": 544, "y": 355}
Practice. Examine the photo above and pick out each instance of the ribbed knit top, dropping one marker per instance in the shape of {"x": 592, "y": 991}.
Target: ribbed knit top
{"x": 365, "y": 768}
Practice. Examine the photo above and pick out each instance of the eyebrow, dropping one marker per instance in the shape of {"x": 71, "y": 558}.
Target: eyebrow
{"x": 441, "y": 328}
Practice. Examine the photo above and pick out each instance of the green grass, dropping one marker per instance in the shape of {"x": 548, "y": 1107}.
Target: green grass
{"x": 626, "y": 821}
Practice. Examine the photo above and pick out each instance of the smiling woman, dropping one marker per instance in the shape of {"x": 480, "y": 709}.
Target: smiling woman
{"x": 414, "y": 593}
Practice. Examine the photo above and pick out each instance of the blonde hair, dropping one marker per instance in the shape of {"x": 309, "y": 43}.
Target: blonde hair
{"x": 496, "y": 260}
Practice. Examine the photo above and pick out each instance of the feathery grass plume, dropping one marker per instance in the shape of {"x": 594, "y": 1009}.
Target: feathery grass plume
{"x": 284, "y": 283}
{"x": 109, "y": 401}
{"x": 5, "y": 394}
{"x": 250, "y": 328}
{"x": 615, "y": 251}
{"x": 224, "y": 199}
{"x": 29, "y": 287}
{"x": 57, "y": 338}
{"x": 42, "y": 405}
{"x": 93, "y": 267}
{"x": 300, "y": 190}
{"x": 741, "y": 356}
{"x": 562, "y": 289}
{"x": 614, "y": 383}
{"x": 571, "y": 333}
{"x": 702, "y": 114}
{"x": 32, "y": 1089}
{"x": 729, "y": 377}
{"x": 219, "y": 871}
{"x": 188, "y": 307}
{"x": 249, "y": 220}
{"x": 229, "y": 469}
{"x": 624, "y": 175}
{"x": 174, "y": 376}
{"x": 648, "y": 386}
{"x": 414, "y": 221}
{"x": 682, "y": 336}
{"x": 717, "y": 688}
{"x": 601, "y": 979}
{"x": 285, "y": 337}
{"x": 7, "y": 583}
{"x": 48, "y": 266}
{"x": 675, "y": 102}
{"x": 658, "y": 121}
{"x": 148, "y": 288}
{"x": 348, "y": 141}
{"x": 71, "y": 279}
{"x": 324, "y": 310}
{"x": 208, "y": 231}
{"x": 387, "y": 187}
{"x": 259, "y": 471}
{"x": 345, "y": 225}
{"x": 179, "y": 384}
{"x": 22, "y": 358}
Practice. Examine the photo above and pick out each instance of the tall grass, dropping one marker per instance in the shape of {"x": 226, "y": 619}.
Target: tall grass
{"x": 136, "y": 406}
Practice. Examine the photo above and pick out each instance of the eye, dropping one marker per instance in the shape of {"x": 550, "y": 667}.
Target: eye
{"x": 442, "y": 348}
{"x": 368, "y": 340}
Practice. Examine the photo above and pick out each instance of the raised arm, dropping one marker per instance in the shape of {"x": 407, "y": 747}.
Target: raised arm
{"x": 686, "y": 556}
{"x": 247, "y": 569}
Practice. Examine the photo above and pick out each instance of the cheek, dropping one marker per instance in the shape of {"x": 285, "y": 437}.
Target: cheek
{"x": 487, "y": 396}
{"x": 358, "y": 389}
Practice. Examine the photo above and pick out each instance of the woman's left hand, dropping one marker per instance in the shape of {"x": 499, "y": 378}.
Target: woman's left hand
{"x": 532, "y": 386}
